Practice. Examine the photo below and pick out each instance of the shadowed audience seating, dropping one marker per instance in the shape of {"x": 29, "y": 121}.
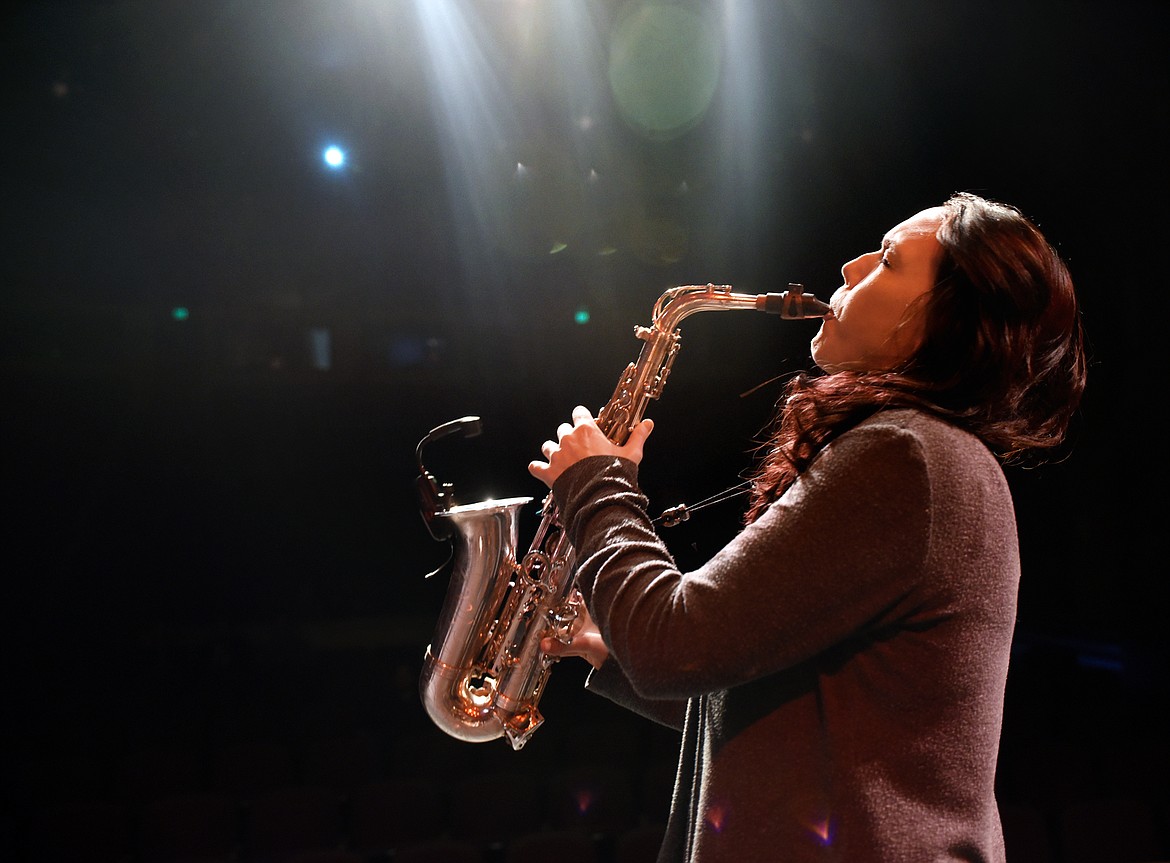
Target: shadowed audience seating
{"x": 562, "y": 846}
{"x": 189, "y": 827}
{"x": 396, "y": 812}
{"x": 293, "y": 819}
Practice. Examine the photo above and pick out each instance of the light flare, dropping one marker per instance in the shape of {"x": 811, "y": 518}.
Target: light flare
{"x": 717, "y": 817}
{"x": 822, "y": 829}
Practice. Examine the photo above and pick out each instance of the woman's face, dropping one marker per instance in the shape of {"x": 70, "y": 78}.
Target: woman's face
{"x": 869, "y": 329}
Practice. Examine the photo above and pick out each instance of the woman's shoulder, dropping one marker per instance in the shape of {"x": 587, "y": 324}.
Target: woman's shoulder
{"x": 938, "y": 444}
{"x": 919, "y": 425}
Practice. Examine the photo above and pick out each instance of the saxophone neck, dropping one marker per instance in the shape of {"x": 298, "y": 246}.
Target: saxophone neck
{"x": 680, "y": 302}
{"x": 645, "y": 379}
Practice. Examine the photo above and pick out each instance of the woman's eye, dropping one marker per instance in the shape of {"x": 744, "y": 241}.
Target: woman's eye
{"x": 885, "y": 261}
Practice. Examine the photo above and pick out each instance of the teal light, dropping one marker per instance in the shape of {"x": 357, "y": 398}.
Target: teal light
{"x": 180, "y": 313}
{"x": 582, "y": 315}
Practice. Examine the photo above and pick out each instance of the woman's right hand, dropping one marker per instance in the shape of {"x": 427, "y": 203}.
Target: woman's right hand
{"x": 586, "y": 641}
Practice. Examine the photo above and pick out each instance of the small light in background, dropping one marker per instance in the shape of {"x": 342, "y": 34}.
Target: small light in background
{"x": 180, "y": 313}
{"x": 334, "y": 157}
{"x": 321, "y": 348}
{"x": 582, "y": 315}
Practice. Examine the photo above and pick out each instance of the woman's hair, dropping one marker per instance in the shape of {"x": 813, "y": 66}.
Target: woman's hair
{"x": 1002, "y": 354}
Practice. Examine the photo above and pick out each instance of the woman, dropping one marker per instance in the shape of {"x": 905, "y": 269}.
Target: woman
{"x": 838, "y": 669}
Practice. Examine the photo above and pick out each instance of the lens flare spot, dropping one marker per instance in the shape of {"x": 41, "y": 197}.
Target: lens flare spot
{"x": 583, "y": 800}
{"x": 717, "y": 817}
{"x": 822, "y": 829}
{"x": 664, "y": 68}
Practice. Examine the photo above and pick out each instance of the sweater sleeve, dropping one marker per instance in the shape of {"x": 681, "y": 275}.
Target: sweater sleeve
{"x": 837, "y": 558}
{"x": 610, "y": 681}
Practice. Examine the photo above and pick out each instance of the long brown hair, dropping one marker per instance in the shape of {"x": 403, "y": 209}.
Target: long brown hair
{"x": 1002, "y": 353}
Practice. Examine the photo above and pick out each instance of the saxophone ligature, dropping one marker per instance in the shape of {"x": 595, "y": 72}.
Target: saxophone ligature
{"x": 483, "y": 672}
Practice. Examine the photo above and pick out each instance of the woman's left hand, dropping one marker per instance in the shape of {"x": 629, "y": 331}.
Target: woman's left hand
{"x": 581, "y": 440}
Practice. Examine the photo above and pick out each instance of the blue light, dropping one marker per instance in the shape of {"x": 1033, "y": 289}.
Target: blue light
{"x": 334, "y": 157}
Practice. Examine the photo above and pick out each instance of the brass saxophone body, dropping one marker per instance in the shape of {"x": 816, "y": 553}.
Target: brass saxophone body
{"x": 483, "y": 672}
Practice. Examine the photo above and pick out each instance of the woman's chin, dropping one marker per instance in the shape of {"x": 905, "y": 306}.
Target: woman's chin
{"x": 820, "y": 357}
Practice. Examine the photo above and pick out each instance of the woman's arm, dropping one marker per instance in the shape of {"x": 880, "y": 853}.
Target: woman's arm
{"x": 837, "y": 557}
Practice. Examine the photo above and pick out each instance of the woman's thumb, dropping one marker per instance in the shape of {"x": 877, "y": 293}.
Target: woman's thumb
{"x": 642, "y": 431}
{"x": 638, "y": 435}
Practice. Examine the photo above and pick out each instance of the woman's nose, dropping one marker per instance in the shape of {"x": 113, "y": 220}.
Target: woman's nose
{"x": 855, "y": 267}
{"x": 849, "y": 267}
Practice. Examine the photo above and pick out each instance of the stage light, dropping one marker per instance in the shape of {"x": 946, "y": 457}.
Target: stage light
{"x": 581, "y": 316}
{"x": 180, "y": 313}
{"x": 334, "y": 157}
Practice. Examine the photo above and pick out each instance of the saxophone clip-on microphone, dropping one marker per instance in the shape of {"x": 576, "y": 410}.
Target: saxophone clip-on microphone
{"x": 435, "y": 497}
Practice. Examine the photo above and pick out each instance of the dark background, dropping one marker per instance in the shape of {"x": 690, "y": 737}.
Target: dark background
{"x": 212, "y": 535}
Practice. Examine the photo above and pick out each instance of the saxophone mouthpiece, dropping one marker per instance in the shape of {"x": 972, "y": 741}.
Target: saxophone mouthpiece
{"x": 793, "y": 304}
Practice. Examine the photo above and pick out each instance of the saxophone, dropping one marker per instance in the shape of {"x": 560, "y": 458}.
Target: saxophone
{"x": 483, "y": 673}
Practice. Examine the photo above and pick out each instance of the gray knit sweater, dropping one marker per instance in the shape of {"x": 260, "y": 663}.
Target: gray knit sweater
{"x": 837, "y": 671}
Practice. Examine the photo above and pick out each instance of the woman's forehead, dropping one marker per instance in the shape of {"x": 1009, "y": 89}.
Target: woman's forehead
{"x": 926, "y": 222}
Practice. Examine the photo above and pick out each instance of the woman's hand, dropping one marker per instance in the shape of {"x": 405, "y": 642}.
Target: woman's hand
{"x": 581, "y": 440}
{"x": 586, "y": 641}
